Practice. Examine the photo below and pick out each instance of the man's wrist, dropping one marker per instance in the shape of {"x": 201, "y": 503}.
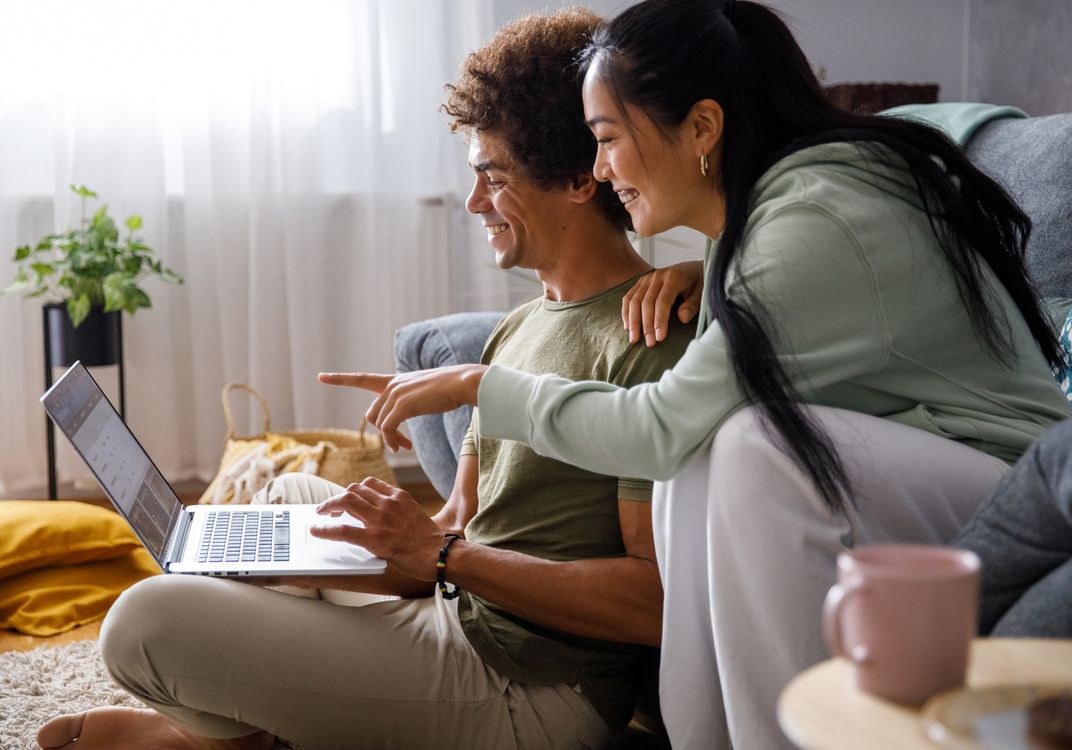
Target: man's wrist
{"x": 441, "y": 568}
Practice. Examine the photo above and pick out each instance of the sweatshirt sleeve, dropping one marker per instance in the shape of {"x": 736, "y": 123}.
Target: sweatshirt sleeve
{"x": 804, "y": 266}
{"x": 649, "y": 430}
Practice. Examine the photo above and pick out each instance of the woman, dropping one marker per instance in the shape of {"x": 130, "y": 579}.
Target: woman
{"x": 871, "y": 353}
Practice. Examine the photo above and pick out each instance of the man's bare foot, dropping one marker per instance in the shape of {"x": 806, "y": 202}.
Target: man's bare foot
{"x": 134, "y": 728}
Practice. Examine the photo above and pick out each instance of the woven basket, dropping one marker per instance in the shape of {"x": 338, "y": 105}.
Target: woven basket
{"x": 869, "y": 98}
{"x": 350, "y": 456}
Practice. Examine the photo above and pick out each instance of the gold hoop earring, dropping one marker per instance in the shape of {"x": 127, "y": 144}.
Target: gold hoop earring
{"x": 703, "y": 164}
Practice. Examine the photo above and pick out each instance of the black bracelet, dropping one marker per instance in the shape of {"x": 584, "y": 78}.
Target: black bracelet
{"x": 441, "y": 568}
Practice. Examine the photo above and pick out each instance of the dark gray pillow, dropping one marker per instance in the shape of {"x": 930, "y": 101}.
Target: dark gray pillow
{"x": 1032, "y": 159}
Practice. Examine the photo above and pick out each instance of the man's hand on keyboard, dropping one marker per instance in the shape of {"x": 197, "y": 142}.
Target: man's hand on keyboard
{"x": 396, "y": 528}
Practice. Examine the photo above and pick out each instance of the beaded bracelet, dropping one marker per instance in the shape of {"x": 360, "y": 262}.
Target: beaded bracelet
{"x": 441, "y": 568}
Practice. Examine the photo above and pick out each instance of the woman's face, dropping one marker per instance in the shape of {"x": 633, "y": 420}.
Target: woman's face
{"x": 655, "y": 174}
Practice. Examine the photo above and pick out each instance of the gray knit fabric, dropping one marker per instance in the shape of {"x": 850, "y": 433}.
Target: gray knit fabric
{"x": 1032, "y": 159}
{"x": 1023, "y": 535}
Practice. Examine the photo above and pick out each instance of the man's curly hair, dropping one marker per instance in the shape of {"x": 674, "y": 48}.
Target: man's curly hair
{"x": 524, "y": 85}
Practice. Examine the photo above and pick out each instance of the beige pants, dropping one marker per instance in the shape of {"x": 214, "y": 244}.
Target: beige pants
{"x": 225, "y": 658}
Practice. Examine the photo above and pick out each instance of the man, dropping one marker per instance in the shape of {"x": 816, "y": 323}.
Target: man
{"x": 556, "y": 565}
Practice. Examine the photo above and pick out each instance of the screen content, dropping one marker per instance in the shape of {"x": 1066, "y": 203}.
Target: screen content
{"x": 131, "y": 480}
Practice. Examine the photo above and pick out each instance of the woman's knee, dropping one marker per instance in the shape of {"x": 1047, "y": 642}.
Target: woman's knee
{"x": 746, "y": 461}
{"x": 755, "y": 482}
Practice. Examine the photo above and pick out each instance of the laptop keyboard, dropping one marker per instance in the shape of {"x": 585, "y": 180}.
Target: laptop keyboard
{"x": 246, "y": 536}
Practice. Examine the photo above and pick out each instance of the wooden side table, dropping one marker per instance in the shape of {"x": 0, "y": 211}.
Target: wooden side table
{"x": 821, "y": 709}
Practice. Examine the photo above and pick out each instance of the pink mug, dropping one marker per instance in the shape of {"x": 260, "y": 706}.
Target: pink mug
{"x": 904, "y": 615}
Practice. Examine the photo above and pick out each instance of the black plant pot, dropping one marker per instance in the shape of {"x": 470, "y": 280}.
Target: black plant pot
{"x": 98, "y": 341}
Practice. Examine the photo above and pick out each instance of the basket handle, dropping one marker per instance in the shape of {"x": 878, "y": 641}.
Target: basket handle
{"x": 361, "y": 431}
{"x": 227, "y": 407}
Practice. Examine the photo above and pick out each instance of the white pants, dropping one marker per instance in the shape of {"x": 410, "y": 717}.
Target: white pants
{"x": 747, "y": 550}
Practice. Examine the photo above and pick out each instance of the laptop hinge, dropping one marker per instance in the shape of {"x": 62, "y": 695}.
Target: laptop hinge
{"x": 178, "y": 539}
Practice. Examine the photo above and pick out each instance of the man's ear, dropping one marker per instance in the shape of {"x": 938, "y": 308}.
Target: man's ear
{"x": 582, "y": 187}
{"x": 704, "y": 126}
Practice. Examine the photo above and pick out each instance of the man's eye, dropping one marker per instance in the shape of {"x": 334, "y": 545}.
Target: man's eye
{"x": 496, "y": 184}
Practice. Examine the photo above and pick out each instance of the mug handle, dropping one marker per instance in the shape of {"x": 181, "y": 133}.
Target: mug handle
{"x": 836, "y": 598}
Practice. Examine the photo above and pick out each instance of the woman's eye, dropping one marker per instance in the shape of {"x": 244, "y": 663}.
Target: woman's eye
{"x": 496, "y": 184}
{"x": 603, "y": 141}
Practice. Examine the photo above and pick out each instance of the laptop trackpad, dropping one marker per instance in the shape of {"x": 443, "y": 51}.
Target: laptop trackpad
{"x": 332, "y": 547}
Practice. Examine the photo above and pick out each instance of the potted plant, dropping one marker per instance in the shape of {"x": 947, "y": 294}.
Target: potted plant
{"x": 90, "y": 275}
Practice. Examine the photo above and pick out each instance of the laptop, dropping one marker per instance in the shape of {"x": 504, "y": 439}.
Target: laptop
{"x": 216, "y": 540}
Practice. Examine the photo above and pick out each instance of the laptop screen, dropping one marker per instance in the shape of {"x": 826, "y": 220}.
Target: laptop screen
{"x": 133, "y": 483}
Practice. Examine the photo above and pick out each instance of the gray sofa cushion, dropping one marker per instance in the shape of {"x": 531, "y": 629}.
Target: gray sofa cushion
{"x": 1032, "y": 159}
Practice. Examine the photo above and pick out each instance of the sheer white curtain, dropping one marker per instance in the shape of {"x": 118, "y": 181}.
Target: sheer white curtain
{"x": 288, "y": 159}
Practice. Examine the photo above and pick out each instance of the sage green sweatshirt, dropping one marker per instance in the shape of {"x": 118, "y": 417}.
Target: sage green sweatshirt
{"x": 866, "y": 316}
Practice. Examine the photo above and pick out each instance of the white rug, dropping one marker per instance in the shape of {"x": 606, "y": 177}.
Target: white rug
{"x": 40, "y": 684}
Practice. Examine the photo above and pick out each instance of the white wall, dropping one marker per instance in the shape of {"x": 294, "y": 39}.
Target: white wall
{"x": 914, "y": 41}
{"x": 855, "y": 40}
{"x": 1018, "y": 54}
{"x": 507, "y": 10}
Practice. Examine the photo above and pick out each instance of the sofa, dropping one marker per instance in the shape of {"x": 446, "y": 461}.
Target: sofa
{"x": 1031, "y": 157}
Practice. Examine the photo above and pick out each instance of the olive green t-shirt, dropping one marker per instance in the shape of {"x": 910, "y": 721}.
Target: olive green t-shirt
{"x": 542, "y": 507}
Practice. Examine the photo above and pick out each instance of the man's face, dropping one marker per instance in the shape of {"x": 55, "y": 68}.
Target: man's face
{"x": 523, "y": 222}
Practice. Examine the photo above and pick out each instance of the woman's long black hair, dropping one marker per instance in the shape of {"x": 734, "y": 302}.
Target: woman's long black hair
{"x": 665, "y": 55}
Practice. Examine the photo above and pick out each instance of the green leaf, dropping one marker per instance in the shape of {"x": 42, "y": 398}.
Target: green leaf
{"x": 59, "y": 241}
{"x": 170, "y": 276}
{"x": 21, "y": 253}
{"x": 42, "y": 269}
{"x": 101, "y": 227}
{"x": 133, "y": 222}
{"x": 136, "y": 298}
{"x": 113, "y": 292}
{"x": 108, "y": 230}
{"x": 83, "y": 191}
{"x": 18, "y": 287}
{"x": 141, "y": 299}
{"x": 78, "y": 309}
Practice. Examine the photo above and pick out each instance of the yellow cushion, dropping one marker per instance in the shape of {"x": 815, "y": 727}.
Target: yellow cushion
{"x": 38, "y": 533}
{"x": 48, "y": 601}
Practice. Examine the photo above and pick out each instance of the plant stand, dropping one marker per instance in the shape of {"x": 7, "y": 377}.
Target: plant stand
{"x": 97, "y": 342}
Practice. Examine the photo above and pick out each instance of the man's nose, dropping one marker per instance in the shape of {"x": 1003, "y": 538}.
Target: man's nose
{"x": 478, "y": 201}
